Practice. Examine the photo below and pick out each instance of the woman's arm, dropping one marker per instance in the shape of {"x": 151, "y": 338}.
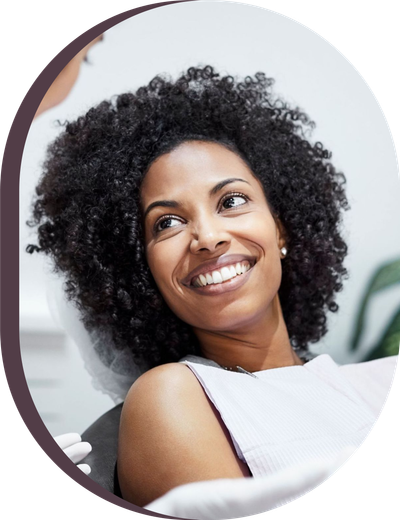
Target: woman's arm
{"x": 170, "y": 435}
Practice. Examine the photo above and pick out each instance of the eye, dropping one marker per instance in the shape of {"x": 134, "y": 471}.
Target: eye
{"x": 166, "y": 222}
{"x": 233, "y": 200}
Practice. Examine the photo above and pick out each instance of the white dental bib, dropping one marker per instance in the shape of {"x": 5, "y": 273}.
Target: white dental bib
{"x": 286, "y": 416}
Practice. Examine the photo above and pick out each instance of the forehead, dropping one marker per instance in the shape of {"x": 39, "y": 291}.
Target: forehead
{"x": 196, "y": 166}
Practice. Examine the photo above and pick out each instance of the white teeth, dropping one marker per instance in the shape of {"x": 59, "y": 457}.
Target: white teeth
{"x": 224, "y": 274}
{"x": 209, "y": 278}
{"x": 203, "y": 279}
{"x": 217, "y": 278}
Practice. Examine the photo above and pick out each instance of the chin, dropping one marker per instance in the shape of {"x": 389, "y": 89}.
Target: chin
{"x": 231, "y": 320}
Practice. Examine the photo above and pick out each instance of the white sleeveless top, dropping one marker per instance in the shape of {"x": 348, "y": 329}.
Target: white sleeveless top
{"x": 289, "y": 415}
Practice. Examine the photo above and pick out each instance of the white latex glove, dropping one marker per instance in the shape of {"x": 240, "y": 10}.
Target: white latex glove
{"x": 75, "y": 449}
{"x": 232, "y": 498}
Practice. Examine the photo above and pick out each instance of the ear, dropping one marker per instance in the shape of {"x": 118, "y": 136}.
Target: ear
{"x": 280, "y": 236}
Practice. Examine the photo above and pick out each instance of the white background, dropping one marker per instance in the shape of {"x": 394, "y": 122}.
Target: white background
{"x": 309, "y": 72}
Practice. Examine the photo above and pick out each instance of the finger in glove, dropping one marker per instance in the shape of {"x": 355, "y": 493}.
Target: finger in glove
{"x": 67, "y": 439}
{"x": 85, "y": 468}
{"x": 78, "y": 451}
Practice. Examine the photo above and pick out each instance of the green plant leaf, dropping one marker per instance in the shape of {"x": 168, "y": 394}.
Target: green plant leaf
{"x": 388, "y": 345}
{"x": 385, "y": 276}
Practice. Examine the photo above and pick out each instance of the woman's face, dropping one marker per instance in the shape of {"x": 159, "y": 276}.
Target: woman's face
{"x": 207, "y": 222}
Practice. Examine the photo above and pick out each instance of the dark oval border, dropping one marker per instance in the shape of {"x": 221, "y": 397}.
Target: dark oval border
{"x": 9, "y": 268}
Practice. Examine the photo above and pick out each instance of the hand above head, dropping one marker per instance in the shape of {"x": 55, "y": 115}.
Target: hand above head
{"x": 233, "y": 498}
{"x": 75, "y": 449}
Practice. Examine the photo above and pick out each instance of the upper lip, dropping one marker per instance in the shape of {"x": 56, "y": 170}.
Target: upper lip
{"x": 216, "y": 264}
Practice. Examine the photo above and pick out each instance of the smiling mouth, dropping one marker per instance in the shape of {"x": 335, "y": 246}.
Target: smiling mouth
{"x": 223, "y": 275}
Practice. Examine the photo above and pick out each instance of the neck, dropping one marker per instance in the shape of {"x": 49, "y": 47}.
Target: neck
{"x": 259, "y": 345}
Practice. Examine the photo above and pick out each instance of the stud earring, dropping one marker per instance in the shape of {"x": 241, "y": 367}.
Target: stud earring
{"x": 284, "y": 251}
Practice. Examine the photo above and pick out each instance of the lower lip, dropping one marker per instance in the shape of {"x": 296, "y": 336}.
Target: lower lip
{"x": 220, "y": 288}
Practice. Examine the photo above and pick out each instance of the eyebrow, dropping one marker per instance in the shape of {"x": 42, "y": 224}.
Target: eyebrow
{"x": 175, "y": 204}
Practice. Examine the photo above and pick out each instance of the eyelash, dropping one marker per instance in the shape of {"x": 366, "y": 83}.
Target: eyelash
{"x": 224, "y": 199}
{"x": 232, "y": 195}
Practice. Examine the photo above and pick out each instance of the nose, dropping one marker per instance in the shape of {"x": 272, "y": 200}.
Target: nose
{"x": 208, "y": 234}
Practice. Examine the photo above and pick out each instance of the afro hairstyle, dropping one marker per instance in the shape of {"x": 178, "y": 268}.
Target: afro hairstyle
{"x": 88, "y": 215}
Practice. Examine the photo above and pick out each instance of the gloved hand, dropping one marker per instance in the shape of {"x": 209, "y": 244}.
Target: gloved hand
{"x": 75, "y": 449}
{"x": 233, "y": 498}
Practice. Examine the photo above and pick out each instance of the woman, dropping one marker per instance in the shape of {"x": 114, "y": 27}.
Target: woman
{"x": 194, "y": 218}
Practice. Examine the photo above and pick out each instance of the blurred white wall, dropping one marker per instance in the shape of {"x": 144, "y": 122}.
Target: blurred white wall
{"x": 236, "y": 39}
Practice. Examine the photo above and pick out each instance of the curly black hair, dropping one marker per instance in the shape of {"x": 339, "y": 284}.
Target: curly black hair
{"x": 89, "y": 220}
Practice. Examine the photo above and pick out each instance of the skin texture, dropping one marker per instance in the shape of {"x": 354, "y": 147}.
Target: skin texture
{"x": 170, "y": 432}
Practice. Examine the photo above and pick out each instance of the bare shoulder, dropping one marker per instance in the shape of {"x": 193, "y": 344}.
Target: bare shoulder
{"x": 164, "y": 393}
{"x": 170, "y": 434}
{"x": 168, "y": 381}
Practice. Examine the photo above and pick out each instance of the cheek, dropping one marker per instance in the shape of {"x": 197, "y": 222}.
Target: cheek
{"x": 260, "y": 233}
{"x": 163, "y": 261}
{"x": 260, "y": 230}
